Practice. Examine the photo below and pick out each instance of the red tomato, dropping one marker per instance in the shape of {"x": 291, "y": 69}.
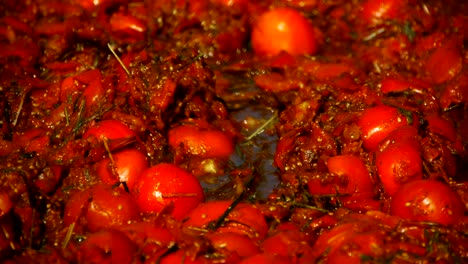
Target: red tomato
{"x": 107, "y": 246}
{"x": 397, "y": 164}
{"x": 76, "y": 206}
{"x": 127, "y": 25}
{"x": 166, "y": 185}
{"x": 153, "y": 241}
{"x": 109, "y": 129}
{"x": 180, "y": 257}
{"x": 441, "y": 126}
{"x": 5, "y": 203}
{"x": 377, "y": 11}
{"x": 99, "y": 207}
{"x": 243, "y": 219}
{"x": 110, "y": 207}
{"x": 392, "y": 85}
{"x": 128, "y": 164}
{"x": 231, "y": 242}
{"x": 200, "y": 139}
{"x": 287, "y": 243}
{"x": 428, "y": 200}
{"x": 283, "y": 29}
{"x": 350, "y": 176}
{"x": 352, "y": 250}
{"x": 377, "y": 123}
{"x": 266, "y": 258}
{"x": 402, "y": 134}
{"x": 445, "y": 62}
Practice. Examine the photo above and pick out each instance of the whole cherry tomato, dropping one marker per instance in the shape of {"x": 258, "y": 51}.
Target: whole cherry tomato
{"x": 283, "y": 29}
{"x": 165, "y": 186}
{"x": 428, "y": 200}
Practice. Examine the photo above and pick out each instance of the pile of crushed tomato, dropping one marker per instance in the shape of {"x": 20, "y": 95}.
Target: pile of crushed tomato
{"x": 216, "y": 131}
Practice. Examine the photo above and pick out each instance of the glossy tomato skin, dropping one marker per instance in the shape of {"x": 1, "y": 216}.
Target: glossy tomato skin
{"x": 110, "y": 207}
{"x": 428, "y": 200}
{"x": 283, "y": 29}
{"x": 348, "y": 176}
{"x": 377, "y": 11}
{"x": 397, "y": 164}
{"x": 265, "y": 258}
{"x": 128, "y": 164}
{"x": 107, "y": 246}
{"x": 231, "y": 243}
{"x": 99, "y": 207}
{"x": 378, "y": 122}
{"x": 109, "y": 129}
{"x": 197, "y": 137}
{"x": 200, "y": 139}
{"x": 166, "y": 185}
{"x": 152, "y": 240}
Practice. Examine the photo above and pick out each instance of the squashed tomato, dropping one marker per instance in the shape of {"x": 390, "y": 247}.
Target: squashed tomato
{"x": 350, "y": 176}
{"x": 397, "y": 164}
{"x": 126, "y": 166}
{"x": 283, "y": 29}
{"x": 243, "y": 218}
{"x": 168, "y": 186}
{"x": 108, "y": 130}
{"x": 378, "y": 122}
{"x": 428, "y": 200}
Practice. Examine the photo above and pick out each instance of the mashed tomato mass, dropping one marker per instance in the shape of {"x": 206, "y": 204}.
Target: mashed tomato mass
{"x": 209, "y": 131}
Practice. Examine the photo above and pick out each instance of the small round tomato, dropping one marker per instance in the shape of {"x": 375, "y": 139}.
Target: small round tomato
{"x": 199, "y": 138}
{"x": 166, "y": 185}
{"x": 428, "y": 200}
{"x": 283, "y": 29}
{"x": 109, "y": 129}
{"x": 107, "y": 246}
{"x": 377, "y": 122}
{"x": 397, "y": 164}
{"x": 128, "y": 165}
